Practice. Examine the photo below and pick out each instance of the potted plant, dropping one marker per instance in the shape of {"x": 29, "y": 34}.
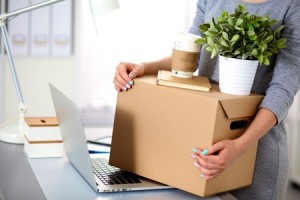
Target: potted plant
{"x": 245, "y": 41}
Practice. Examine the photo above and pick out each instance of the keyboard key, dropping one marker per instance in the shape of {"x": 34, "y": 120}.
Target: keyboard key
{"x": 111, "y": 175}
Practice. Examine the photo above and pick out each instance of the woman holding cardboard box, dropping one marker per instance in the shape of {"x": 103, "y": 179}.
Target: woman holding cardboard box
{"x": 279, "y": 82}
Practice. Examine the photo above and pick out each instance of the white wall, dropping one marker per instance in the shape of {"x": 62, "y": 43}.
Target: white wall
{"x": 34, "y": 75}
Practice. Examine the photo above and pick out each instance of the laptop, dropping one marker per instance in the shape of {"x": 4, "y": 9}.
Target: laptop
{"x": 101, "y": 176}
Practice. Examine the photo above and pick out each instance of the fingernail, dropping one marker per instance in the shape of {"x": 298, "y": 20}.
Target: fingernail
{"x": 130, "y": 82}
{"x": 127, "y": 85}
{"x": 204, "y": 152}
{"x": 193, "y": 155}
{"x": 131, "y": 75}
{"x": 195, "y": 150}
{"x": 202, "y": 175}
{"x": 196, "y": 164}
{"x": 124, "y": 88}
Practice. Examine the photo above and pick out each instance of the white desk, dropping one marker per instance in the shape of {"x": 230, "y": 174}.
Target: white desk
{"x": 55, "y": 179}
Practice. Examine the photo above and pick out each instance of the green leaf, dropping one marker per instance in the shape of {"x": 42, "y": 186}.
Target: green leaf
{"x": 266, "y": 61}
{"x": 203, "y": 27}
{"x": 224, "y": 43}
{"x": 269, "y": 38}
{"x": 214, "y": 53}
{"x": 263, "y": 35}
{"x": 235, "y": 38}
{"x": 225, "y": 36}
{"x": 212, "y": 26}
{"x": 244, "y": 42}
{"x": 239, "y": 22}
{"x": 262, "y": 19}
{"x": 201, "y": 41}
{"x": 279, "y": 28}
{"x": 230, "y": 21}
{"x": 275, "y": 50}
{"x": 253, "y": 38}
{"x": 240, "y": 29}
{"x": 241, "y": 8}
{"x": 236, "y": 52}
{"x": 250, "y": 27}
{"x": 267, "y": 54}
{"x": 254, "y": 52}
{"x": 221, "y": 19}
{"x": 255, "y": 24}
{"x": 250, "y": 33}
{"x": 245, "y": 56}
{"x": 210, "y": 42}
{"x": 224, "y": 14}
{"x": 280, "y": 43}
{"x": 209, "y": 34}
{"x": 272, "y": 22}
{"x": 261, "y": 59}
{"x": 209, "y": 48}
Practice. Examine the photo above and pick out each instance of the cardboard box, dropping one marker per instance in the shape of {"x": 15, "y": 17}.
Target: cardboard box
{"x": 42, "y": 137}
{"x": 156, "y": 128}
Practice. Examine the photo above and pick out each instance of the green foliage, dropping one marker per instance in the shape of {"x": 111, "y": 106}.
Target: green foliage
{"x": 241, "y": 35}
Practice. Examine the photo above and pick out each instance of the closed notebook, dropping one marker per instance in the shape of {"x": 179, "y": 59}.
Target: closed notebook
{"x": 200, "y": 83}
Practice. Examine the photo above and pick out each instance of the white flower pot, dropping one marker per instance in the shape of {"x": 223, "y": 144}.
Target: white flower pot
{"x": 236, "y": 76}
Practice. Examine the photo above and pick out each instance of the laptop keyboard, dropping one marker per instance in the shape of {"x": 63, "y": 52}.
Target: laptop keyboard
{"x": 111, "y": 175}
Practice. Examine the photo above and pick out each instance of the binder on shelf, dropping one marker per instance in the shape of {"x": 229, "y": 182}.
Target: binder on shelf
{"x": 40, "y": 30}
{"x": 18, "y": 28}
{"x": 61, "y": 25}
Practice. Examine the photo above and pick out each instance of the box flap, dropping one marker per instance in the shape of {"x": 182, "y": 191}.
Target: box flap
{"x": 241, "y": 107}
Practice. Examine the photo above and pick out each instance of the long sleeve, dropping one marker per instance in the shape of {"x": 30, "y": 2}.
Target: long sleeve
{"x": 199, "y": 17}
{"x": 286, "y": 77}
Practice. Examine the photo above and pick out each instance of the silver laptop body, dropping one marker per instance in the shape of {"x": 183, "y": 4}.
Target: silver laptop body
{"x": 76, "y": 149}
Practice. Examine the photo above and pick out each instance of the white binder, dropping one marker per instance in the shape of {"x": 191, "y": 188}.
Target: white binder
{"x": 61, "y": 28}
{"x": 18, "y": 28}
{"x": 40, "y": 30}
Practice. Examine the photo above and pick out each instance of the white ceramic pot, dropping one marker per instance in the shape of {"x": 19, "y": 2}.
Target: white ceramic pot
{"x": 236, "y": 76}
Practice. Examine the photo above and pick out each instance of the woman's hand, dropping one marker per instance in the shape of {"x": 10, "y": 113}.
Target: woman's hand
{"x": 214, "y": 160}
{"x": 125, "y": 73}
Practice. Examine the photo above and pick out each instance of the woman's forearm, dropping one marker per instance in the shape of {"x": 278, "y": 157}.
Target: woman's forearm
{"x": 155, "y": 66}
{"x": 262, "y": 123}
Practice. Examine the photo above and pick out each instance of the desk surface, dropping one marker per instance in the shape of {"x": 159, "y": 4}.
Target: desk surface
{"x": 55, "y": 179}
{"x": 17, "y": 180}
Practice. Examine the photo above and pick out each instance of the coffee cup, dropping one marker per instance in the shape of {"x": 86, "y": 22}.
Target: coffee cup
{"x": 185, "y": 55}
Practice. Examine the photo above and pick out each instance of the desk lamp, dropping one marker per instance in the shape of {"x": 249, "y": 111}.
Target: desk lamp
{"x": 14, "y": 133}
{"x": 100, "y": 7}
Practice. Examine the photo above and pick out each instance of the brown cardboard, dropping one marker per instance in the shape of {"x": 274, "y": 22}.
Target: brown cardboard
{"x": 200, "y": 83}
{"x": 184, "y": 61}
{"x": 156, "y": 128}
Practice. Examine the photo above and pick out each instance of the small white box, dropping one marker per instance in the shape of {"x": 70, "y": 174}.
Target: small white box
{"x": 42, "y": 137}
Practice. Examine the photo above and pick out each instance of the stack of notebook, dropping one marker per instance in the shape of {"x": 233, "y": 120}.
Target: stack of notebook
{"x": 200, "y": 83}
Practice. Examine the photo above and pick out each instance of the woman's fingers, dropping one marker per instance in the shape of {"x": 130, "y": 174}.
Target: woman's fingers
{"x": 207, "y": 173}
{"x": 213, "y": 161}
{"x": 124, "y": 75}
{"x": 122, "y": 80}
{"x": 208, "y": 165}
